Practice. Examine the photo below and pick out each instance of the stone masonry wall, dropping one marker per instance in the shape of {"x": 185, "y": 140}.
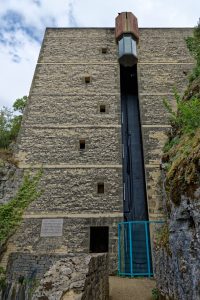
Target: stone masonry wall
{"x": 62, "y": 109}
{"x": 75, "y": 191}
{"x": 78, "y": 278}
{"x": 75, "y": 236}
{"x": 10, "y": 179}
{"x": 60, "y": 141}
{"x": 164, "y": 63}
{"x": 54, "y": 277}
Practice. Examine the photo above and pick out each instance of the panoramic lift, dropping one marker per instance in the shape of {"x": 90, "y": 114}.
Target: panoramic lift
{"x": 134, "y": 241}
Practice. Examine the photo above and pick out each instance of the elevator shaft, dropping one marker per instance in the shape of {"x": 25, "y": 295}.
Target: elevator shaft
{"x": 135, "y": 204}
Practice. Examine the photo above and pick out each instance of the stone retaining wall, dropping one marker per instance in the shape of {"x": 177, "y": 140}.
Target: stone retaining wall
{"x": 78, "y": 278}
{"x": 57, "y": 277}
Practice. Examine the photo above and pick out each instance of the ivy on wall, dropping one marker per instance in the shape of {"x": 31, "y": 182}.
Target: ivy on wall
{"x": 11, "y": 213}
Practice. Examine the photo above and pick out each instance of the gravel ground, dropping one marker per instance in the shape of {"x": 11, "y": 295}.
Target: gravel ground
{"x": 131, "y": 288}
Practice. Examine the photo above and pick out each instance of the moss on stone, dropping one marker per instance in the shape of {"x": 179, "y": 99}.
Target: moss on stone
{"x": 181, "y": 158}
{"x": 182, "y": 176}
{"x": 162, "y": 238}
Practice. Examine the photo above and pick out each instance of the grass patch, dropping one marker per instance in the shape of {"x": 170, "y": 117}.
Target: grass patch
{"x": 155, "y": 294}
{"x": 11, "y": 213}
{"x": 162, "y": 238}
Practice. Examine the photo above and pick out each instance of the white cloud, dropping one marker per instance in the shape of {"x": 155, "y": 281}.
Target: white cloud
{"x": 27, "y": 19}
{"x": 16, "y": 77}
{"x": 150, "y": 13}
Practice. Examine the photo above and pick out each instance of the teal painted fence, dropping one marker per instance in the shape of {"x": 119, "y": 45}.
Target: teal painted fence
{"x": 134, "y": 248}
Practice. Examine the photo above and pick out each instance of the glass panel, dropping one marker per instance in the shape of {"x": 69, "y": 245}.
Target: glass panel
{"x": 121, "y": 47}
{"x": 127, "y": 45}
{"x": 134, "y": 48}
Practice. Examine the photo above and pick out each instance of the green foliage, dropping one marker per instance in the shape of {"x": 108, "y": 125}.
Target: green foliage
{"x": 2, "y": 278}
{"x": 188, "y": 116}
{"x": 10, "y": 123}
{"x": 182, "y": 160}
{"x": 171, "y": 143}
{"x": 186, "y": 119}
{"x": 195, "y": 73}
{"x": 182, "y": 150}
{"x": 20, "y": 104}
{"x": 169, "y": 108}
{"x": 193, "y": 44}
{"x": 155, "y": 294}
{"x": 11, "y": 213}
{"x": 5, "y": 127}
{"x": 162, "y": 238}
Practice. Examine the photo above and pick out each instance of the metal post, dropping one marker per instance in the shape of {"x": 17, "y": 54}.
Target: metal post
{"x": 119, "y": 252}
{"x": 147, "y": 248}
{"x": 131, "y": 250}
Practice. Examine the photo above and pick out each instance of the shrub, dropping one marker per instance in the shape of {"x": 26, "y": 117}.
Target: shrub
{"x": 10, "y": 123}
{"x": 186, "y": 119}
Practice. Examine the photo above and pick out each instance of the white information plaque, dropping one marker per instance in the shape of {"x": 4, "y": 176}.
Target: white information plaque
{"x": 51, "y": 227}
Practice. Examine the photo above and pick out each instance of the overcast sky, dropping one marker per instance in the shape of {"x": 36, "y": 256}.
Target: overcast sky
{"x": 22, "y": 25}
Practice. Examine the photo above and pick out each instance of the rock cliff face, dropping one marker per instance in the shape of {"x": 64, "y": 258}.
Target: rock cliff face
{"x": 177, "y": 253}
{"x": 178, "y": 273}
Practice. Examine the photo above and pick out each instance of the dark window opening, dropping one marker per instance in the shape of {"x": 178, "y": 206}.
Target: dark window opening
{"x": 99, "y": 239}
{"x": 87, "y": 79}
{"x": 102, "y": 108}
{"x": 191, "y": 222}
{"x": 82, "y": 144}
{"x": 100, "y": 188}
{"x": 104, "y": 50}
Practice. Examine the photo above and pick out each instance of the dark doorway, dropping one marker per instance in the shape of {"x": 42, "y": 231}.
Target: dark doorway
{"x": 99, "y": 239}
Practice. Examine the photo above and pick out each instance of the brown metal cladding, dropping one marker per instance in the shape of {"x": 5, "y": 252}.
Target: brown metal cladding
{"x": 126, "y": 22}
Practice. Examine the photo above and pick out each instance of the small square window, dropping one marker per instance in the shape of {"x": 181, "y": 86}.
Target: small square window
{"x": 104, "y": 50}
{"x": 102, "y": 108}
{"x": 100, "y": 188}
{"x": 87, "y": 79}
{"x": 82, "y": 144}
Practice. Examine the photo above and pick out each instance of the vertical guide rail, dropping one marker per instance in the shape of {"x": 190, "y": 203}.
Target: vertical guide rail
{"x": 131, "y": 248}
{"x": 119, "y": 246}
{"x": 147, "y": 248}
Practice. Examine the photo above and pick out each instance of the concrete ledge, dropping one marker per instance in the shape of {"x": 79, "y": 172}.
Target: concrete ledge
{"x": 70, "y": 215}
{"x": 66, "y": 166}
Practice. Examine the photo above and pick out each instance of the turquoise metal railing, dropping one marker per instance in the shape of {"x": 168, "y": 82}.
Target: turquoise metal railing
{"x": 134, "y": 247}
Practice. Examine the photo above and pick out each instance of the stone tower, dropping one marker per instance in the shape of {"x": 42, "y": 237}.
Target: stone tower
{"x": 72, "y": 129}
